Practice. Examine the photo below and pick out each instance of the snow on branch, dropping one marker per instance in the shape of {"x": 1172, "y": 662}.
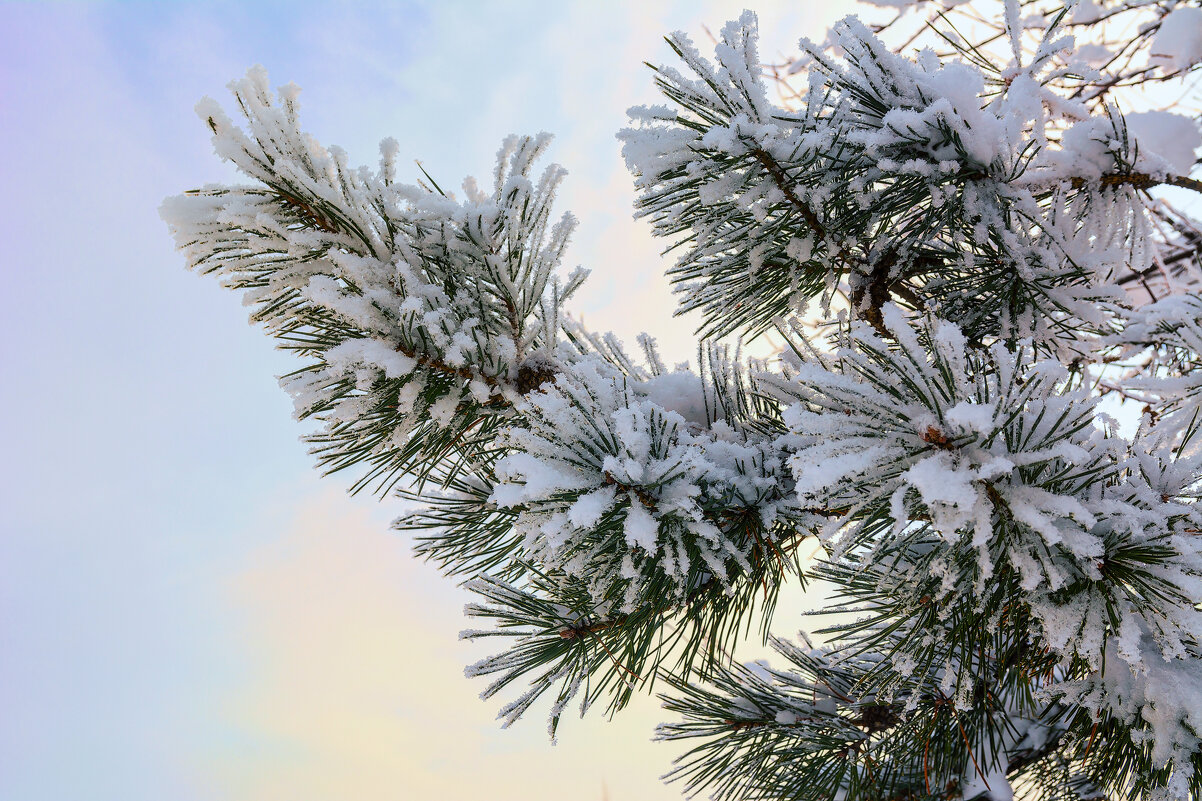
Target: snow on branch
{"x": 977, "y": 232}
{"x": 990, "y": 508}
{"x": 639, "y": 502}
{"x": 424, "y": 317}
{"x": 941, "y": 183}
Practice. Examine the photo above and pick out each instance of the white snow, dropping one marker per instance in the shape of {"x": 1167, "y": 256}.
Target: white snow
{"x": 1178, "y": 42}
{"x": 1174, "y": 138}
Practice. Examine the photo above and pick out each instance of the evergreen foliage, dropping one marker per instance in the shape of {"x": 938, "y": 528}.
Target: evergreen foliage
{"x": 963, "y": 243}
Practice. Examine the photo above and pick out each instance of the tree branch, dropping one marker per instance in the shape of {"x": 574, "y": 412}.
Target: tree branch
{"x": 870, "y": 296}
{"x": 439, "y": 366}
{"x": 786, "y": 186}
{"x": 700, "y": 594}
{"x": 528, "y": 378}
{"x": 1139, "y": 181}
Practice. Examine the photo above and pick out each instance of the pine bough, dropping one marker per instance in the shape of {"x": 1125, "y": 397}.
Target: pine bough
{"x": 961, "y": 247}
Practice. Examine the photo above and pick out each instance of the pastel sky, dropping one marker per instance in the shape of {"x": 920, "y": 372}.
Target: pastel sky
{"x": 187, "y": 611}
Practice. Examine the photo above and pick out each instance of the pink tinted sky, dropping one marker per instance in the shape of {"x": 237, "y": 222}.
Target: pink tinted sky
{"x": 186, "y": 611}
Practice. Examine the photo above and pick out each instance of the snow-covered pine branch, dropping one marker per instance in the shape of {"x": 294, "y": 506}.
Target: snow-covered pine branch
{"x": 423, "y": 317}
{"x": 615, "y": 495}
{"x": 652, "y": 512}
{"x": 957, "y": 186}
{"x": 1170, "y": 331}
{"x": 992, "y": 522}
{"x": 975, "y": 229}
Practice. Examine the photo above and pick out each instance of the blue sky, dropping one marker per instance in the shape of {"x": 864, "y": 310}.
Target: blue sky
{"x": 186, "y": 610}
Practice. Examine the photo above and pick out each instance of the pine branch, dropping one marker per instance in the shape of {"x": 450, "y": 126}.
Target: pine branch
{"x": 1139, "y": 181}
{"x": 872, "y": 718}
{"x": 698, "y": 597}
{"x": 1015, "y": 583}
{"x": 790, "y": 191}
{"x": 867, "y": 296}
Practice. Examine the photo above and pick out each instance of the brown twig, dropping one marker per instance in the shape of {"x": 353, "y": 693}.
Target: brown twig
{"x": 308, "y": 213}
{"x": 786, "y": 186}
{"x": 1139, "y": 181}
{"x": 869, "y": 296}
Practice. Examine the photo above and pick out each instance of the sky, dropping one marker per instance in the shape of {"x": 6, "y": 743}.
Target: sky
{"x": 187, "y": 610}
